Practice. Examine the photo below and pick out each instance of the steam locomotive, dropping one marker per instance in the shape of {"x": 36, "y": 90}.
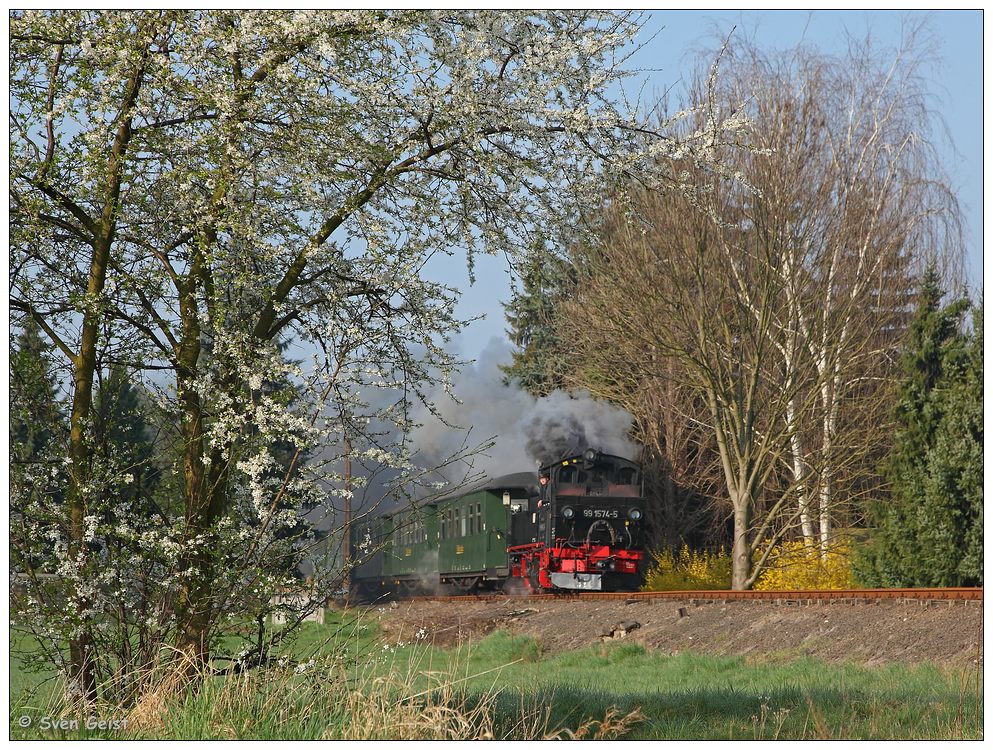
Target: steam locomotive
{"x": 578, "y": 527}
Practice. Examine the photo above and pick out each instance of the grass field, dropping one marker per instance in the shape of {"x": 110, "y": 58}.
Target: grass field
{"x": 505, "y": 686}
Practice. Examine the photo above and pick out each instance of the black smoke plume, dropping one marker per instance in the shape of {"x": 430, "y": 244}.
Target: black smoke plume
{"x": 527, "y": 431}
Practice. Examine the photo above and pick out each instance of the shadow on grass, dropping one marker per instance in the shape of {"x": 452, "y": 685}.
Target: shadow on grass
{"x": 725, "y": 713}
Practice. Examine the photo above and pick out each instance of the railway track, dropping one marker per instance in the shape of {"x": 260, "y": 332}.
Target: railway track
{"x": 846, "y": 595}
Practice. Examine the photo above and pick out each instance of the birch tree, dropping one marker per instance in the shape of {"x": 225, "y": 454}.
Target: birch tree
{"x": 784, "y": 313}
{"x": 659, "y": 301}
{"x": 190, "y": 189}
{"x": 851, "y": 198}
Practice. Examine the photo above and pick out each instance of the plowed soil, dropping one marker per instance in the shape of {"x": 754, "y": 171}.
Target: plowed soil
{"x": 864, "y": 633}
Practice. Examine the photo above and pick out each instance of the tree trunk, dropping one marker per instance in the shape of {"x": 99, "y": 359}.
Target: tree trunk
{"x": 346, "y": 539}
{"x": 192, "y": 610}
{"x": 202, "y": 486}
{"x": 82, "y": 670}
{"x": 741, "y": 554}
{"x": 800, "y": 476}
{"x": 82, "y": 673}
{"x": 206, "y": 496}
{"x": 829, "y": 395}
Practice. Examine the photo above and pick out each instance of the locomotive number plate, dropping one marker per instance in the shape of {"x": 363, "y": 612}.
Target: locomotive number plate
{"x": 601, "y": 513}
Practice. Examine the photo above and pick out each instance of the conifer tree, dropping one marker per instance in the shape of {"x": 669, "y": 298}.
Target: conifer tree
{"x": 539, "y": 356}
{"x": 37, "y": 432}
{"x": 35, "y": 414}
{"x": 124, "y": 432}
{"x": 929, "y": 532}
{"x": 953, "y": 492}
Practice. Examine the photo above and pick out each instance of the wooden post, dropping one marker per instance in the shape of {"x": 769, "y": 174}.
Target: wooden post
{"x": 346, "y": 542}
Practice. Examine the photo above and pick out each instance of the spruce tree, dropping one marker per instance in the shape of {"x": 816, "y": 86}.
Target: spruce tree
{"x": 37, "y": 429}
{"x": 954, "y": 485}
{"x": 124, "y": 436}
{"x": 538, "y": 358}
{"x": 925, "y": 534}
{"x": 36, "y": 417}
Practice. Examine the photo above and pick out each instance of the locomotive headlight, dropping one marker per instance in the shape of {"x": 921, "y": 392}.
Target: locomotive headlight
{"x": 568, "y": 512}
{"x": 634, "y": 514}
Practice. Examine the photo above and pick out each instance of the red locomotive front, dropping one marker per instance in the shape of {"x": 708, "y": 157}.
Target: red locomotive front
{"x": 584, "y": 530}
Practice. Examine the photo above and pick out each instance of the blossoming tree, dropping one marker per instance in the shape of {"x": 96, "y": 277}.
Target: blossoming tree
{"x": 193, "y": 190}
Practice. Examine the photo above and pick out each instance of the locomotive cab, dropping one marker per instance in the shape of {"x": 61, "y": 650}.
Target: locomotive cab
{"x": 595, "y": 499}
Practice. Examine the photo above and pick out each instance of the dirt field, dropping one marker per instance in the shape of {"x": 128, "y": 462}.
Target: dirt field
{"x": 871, "y": 634}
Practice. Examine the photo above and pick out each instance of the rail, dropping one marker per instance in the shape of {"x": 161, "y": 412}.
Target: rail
{"x": 853, "y": 595}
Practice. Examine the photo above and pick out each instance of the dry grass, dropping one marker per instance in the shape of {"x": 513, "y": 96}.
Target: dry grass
{"x": 328, "y": 702}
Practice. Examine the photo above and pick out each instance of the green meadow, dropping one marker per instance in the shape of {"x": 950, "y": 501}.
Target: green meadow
{"x": 342, "y": 680}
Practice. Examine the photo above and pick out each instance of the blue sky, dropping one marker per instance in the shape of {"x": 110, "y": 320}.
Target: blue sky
{"x": 956, "y": 82}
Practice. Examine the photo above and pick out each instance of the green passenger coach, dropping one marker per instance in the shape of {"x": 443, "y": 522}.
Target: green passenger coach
{"x": 459, "y": 540}
{"x": 473, "y": 529}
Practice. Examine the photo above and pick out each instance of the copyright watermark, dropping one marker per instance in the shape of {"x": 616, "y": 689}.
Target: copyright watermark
{"x": 90, "y": 723}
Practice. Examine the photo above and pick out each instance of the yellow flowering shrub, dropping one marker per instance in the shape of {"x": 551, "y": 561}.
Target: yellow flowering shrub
{"x": 790, "y": 566}
{"x": 689, "y": 570}
{"x": 795, "y": 566}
